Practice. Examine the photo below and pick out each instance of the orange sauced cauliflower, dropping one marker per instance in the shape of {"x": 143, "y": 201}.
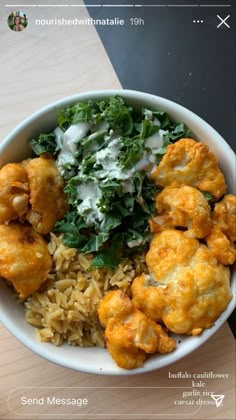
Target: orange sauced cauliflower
{"x": 14, "y": 192}
{"x": 24, "y": 257}
{"x": 47, "y": 198}
{"x": 182, "y": 206}
{"x": 188, "y": 162}
{"x": 222, "y": 237}
{"x": 189, "y": 287}
{"x": 129, "y": 334}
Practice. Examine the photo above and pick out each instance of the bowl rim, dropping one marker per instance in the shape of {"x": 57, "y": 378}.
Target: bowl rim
{"x": 129, "y": 95}
{"x": 97, "y": 95}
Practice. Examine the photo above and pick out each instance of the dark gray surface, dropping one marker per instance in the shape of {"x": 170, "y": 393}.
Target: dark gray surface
{"x": 193, "y": 64}
{"x": 170, "y": 56}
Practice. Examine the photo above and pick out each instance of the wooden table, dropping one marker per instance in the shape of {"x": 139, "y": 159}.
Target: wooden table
{"x": 38, "y": 66}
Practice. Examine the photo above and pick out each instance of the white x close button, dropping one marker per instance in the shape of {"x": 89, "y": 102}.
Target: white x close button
{"x": 223, "y": 21}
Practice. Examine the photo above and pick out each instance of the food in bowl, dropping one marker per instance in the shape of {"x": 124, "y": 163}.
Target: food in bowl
{"x": 108, "y": 155}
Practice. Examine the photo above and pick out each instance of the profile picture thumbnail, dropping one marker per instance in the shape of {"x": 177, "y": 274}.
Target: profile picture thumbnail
{"x": 17, "y": 21}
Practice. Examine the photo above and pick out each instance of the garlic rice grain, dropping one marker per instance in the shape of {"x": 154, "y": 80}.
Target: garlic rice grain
{"x": 65, "y": 307}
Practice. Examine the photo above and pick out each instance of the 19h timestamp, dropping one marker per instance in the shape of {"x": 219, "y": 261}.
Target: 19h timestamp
{"x": 137, "y": 21}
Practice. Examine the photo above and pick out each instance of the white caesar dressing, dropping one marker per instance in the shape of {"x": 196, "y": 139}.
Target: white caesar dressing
{"x": 103, "y": 125}
{"x": 74, "y": 134}
{"x": 148, "y": 114}
{"x": 134, "y": 243}
{"x": 107, "y": 158}
{"x": 90, "y": 194}
{"x": 106, "y": 166}
{"x": 156, "y": 122}
{"x": 128, "y": 186}
{"x": 59, "y": 137}
{"x": 108, "y": 155}
{"x": 155, "y": 142}
{"x": 143, "y": 163}
{"x": 67, "y": 142}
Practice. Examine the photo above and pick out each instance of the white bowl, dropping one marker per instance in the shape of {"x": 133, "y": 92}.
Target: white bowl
{"x": 15, "y": 148}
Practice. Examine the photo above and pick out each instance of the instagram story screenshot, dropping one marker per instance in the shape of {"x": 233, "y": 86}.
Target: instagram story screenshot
{"x": 117, "y": 209}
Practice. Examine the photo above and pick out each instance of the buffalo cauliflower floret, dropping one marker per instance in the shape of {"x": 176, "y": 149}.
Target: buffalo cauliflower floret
{"x": 24, "y": 258}
{"x": 182, "y": 206}
{"x": 224, "y": 215}
{"x": 191, "y": 163}
{"x": 190, "y": 288}
{"x": 14, "y": 192}
{"x": 222, "y": 237}
{"x": 129, "y": 334}
{"x": 114, "y": 305}
{"x": 220, "y": 246}
{"x": 47, "y": 198}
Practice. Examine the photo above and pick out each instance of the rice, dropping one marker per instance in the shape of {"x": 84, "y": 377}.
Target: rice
{"x": 65, "y": 307}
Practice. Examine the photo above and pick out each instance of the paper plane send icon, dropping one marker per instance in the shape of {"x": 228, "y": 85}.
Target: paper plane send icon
{"x": 218, "y": 399}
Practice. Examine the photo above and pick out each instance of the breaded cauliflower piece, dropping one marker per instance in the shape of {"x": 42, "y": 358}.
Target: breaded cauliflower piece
{"x": 114, "y": 305}
{"x": 14, "y": 192}
{"x": 191, "y": 163}
{"x": 47, "y": 198}
{"x": 222, "y": 237}
{"x": 129, "y": 334}
{"x": 224, "y": 215}
{"x": 168, "y": 250}
{"x": 190, "y": 287}
{"x": 24, "y": 258}
{"x": 126, "y": 356}
{"x": 182, "y": 206}
{"x": 220, "y": 246}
